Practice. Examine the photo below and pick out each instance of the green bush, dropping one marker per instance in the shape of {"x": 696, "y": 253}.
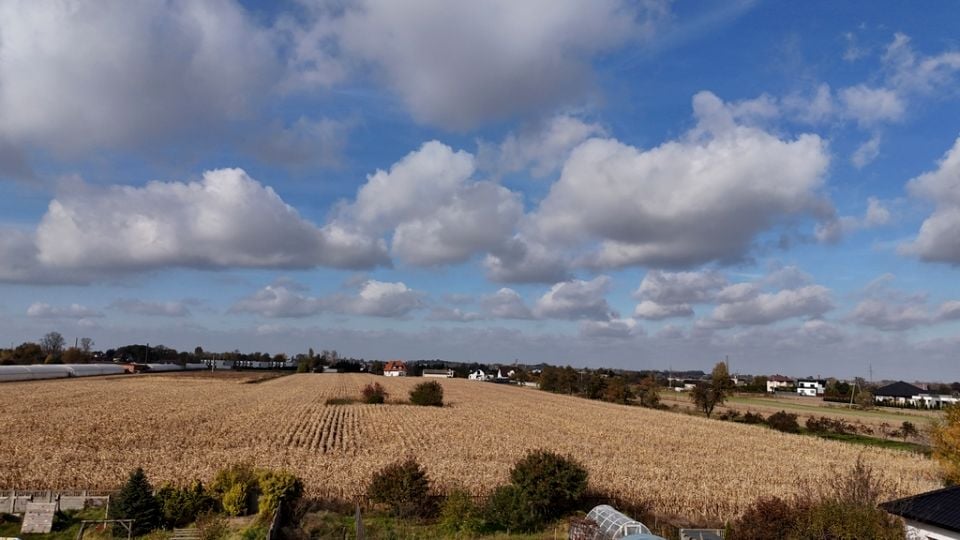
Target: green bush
{"x": 428, "y": 394}
{"x": 509, "y": 509}
{"x": 136, "y": 501}
{"x": 460, "y": 514}
{"x": 276, "y": 486}
{"x": 784, "y": 421}
{"x": 403, "y": 487}
{"x": 235, "y": 501}
{"x": 181, "y": 506}
{"x": 236, "y": 487}
{"x": 374, "y": 393}
{"x": 552, "y": 484}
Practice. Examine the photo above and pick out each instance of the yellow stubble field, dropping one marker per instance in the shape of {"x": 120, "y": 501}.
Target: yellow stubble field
{"x": 89, "y": 433}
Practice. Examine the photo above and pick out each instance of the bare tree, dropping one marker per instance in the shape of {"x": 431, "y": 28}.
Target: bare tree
{"x": 86, "y": 344}
{"x": 52, "y": 343}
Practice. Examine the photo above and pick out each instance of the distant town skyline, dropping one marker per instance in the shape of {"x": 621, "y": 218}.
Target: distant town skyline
{"x": 623, "y": 184}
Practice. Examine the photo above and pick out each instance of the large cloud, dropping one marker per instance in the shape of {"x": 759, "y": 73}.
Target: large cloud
{"x": 939, "y": 236}
{"x": 687, "y": 202}
{"x": 576, "y": 299}
{"x": 767, "y": 308}
{"x": 80, "y": 75}
{"x": 506, "y": 304}
{"x": 437, "y": 213}
{"x": 665, "y": 295}
{"x": 458, "y": 64}
{"x": 227, "y": 219}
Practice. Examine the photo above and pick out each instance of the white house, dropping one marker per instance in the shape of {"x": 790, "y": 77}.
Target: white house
{"x": 932, "y": 515}
{"x": 905, "y": 394}
{"x": 438, "y": 373}
{"x": 478, "y": 375}
{"x": 811, "y": 387}
{"x": 395, "y": 368}
{"x": 778, "y": 381}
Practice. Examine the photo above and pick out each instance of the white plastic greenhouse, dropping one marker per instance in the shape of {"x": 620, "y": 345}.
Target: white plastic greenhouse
{"x": 56, "y": 371}
{"x": 614, "y": 525}
{"x": 174, "y": 367}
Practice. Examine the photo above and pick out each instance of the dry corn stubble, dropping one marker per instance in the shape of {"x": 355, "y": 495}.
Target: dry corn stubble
{"x": 89, "y": 433}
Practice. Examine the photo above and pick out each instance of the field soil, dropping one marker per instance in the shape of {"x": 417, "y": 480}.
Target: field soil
{"x": 89, "y": 433}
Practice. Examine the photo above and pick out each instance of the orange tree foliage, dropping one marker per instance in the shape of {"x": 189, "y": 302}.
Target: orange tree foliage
{"x": 946, "y": 444}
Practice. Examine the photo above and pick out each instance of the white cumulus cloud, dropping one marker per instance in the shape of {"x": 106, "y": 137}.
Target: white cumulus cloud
{"x": 939, "y": 237}
{"x": 576, "y": 299}
{"x": 687, "y": 202}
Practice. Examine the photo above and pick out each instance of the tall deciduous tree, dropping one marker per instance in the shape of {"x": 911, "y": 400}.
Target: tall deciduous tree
{"x": 708, "y": 394}
{"x": 52, "y": 343}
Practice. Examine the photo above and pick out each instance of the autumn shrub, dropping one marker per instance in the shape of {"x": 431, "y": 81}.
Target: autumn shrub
{"x": 768, "y": 517}
{"x": 837, "y": 518}
{"x": 212, "y": 526}
{"x": 374, "y": 393}
{"x": 846, "y": 509}
{"x": 236, "y": 488}
{"x": 403, "y": 487}
{"x": 428, "y": 394}
{"x": 753, "y": 418}
{"x": 784, "y": 421}
{"x": 277, "y": 486}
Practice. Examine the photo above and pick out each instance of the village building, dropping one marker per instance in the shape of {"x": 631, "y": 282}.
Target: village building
{"x": 395, "y": 368}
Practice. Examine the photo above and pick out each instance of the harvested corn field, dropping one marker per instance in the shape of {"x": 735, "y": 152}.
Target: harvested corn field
{"x": 90, "y": 433}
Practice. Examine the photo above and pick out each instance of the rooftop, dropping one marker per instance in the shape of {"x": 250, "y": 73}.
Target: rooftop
{"x": 940, "y": 508}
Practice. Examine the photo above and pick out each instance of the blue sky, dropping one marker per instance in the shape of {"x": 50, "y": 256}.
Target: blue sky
{"x": 630, "y": 184}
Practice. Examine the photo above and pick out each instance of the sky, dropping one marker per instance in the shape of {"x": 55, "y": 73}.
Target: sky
{"x": 629, "y": 184}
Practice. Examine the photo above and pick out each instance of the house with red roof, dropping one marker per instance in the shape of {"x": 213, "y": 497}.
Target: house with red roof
{"x": 395, "y": 368}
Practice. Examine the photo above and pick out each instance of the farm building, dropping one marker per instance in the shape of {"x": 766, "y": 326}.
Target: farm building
{"x": 438, "y": 373}
{"x": 395, "y": 368}
{"x": 934, "y": 514}
{"x": 478, "y": 375}
{"x": 811, "y": 387}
